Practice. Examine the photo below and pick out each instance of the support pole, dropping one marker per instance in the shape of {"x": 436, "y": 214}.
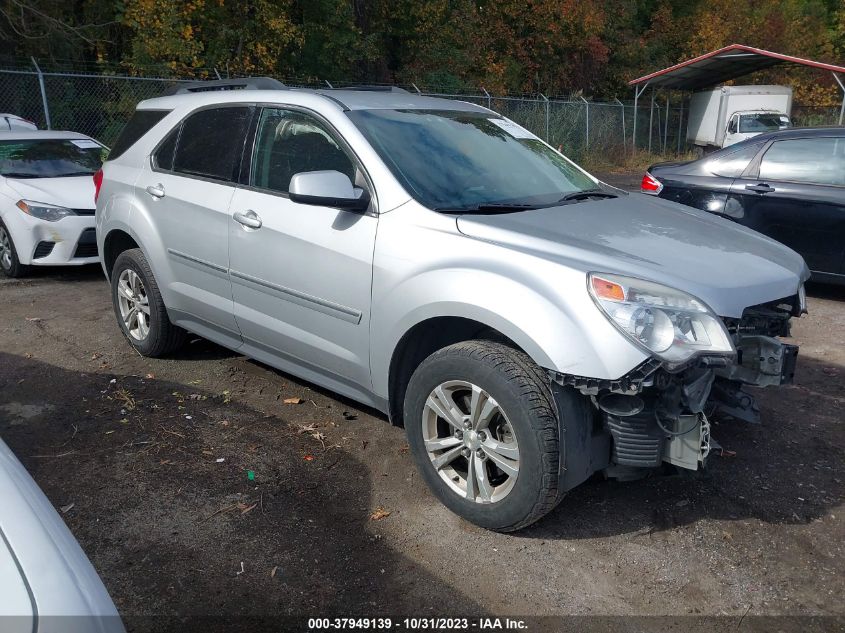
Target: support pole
{"x": 666, "y": 126}
{"x": 651, "y": 120}
{"x": 43, "y": 94}
{"x": 622, "y": 105}
{"x": 637, "y": 94}
{"x": 842, "y": 86}
{"x": 489, "y": 98}
{"x": 546, "y": 99}
{"x": 587, "y": 138}
{"x": 680, "y": 124}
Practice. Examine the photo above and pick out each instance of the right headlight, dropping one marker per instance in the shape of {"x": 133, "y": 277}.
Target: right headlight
{"x": 44, "y": 211}
{"x": 671, "y": 324}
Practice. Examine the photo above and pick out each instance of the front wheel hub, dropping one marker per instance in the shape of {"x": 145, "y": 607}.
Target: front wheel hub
{"x": 470, "y": 442}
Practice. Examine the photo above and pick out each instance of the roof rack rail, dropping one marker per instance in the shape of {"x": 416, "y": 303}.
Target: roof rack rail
{"x": 242, "y": 83}
{"x": 369, "y": 88}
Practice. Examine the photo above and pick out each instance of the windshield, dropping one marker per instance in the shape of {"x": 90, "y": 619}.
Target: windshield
{"x": 763, "y": 122}
{"x": 456, "y": 161}
{"x": 50, "y": 158}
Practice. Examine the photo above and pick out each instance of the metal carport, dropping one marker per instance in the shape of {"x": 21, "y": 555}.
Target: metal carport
{"x": 723, "y": 65}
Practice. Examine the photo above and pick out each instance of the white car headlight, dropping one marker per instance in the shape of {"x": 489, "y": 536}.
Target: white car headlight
{"x": 44, "y": 211}
{"x": 669, "y": 323}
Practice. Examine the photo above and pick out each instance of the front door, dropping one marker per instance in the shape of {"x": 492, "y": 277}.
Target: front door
{"x": 301, "y": 274}
{"x": 797, "y": 196}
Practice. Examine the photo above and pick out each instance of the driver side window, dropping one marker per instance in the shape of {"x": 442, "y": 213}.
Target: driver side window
{"x": 288, "y": 142}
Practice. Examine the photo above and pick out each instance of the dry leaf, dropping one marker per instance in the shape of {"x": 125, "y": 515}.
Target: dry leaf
{"x": 244, "y": 508}
{"x": 273, "y": 572}
{"x": 308, "y": 458}
{"x": 293, "y": 401}
{"x": 379, "y": 514}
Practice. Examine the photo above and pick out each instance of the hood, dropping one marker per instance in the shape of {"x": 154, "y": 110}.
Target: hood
{"x": 728, "y": 266}
{"x": 75, "y": 192}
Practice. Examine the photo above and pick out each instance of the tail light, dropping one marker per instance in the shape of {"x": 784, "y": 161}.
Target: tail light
{"x": 98, "y": 182}
{"x": 651, "y": 185}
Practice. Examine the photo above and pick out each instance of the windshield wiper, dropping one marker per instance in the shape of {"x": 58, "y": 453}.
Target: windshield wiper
{"x": 491, "y": 207}
{"x": 72, "y": 173}
{"x": 586, "y": 194}
{"x": 15, "y": 174}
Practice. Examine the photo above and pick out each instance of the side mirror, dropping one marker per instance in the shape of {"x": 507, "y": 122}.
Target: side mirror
{"x": 328, "y": 189}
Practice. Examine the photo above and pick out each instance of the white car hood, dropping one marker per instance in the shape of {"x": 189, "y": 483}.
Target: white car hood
{"x": 76, "y": 192}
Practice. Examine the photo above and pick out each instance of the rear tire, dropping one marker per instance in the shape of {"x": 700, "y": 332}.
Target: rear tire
{"x": 9, "y": 262}
{"x": 139, "y": 308}
{"x": 483, "y": 430}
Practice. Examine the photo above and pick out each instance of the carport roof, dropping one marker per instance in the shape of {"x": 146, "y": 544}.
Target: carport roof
{"x": 723, "y": 65}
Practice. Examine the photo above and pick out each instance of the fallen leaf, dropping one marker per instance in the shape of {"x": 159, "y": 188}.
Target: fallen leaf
{"x": 273, "y": 572}
{"x": 33, "y": 319}
{"x": 830, "y": 371}
{"x": 379, "y": 514}
{"x": 404, "y": 450}
{"x": 350, "y": 416}
{"x": 150, "y": 376}
{"x": 95, "y": 355}
{"x": 293, "y": 400}
{"x": 308, "y": 458}
{"x": 67, "y": 508}
{"x": 245, "y": 508}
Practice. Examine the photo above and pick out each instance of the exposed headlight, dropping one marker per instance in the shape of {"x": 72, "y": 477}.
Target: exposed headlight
{"x": 669, "y": 323}
{"x": 44, "y": 211}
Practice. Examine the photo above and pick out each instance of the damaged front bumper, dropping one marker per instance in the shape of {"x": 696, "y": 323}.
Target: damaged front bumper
{"x": 653, "y": 416}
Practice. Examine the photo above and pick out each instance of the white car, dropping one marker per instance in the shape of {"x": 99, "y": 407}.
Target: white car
{"x": 47, "y": 199}
{"x": 46, "y": 581}
{"x": 12, "y": 122}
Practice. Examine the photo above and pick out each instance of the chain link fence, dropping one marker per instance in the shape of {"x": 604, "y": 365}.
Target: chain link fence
{"x": 99, "y": 105}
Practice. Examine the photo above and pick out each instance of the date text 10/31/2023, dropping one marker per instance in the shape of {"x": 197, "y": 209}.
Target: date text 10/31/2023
{"x": 417, "y": 624}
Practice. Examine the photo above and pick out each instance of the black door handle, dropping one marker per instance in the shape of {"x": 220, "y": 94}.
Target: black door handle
{"x": 760, "y": 188}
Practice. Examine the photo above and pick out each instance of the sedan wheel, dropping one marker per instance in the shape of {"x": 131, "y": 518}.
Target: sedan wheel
{"x": 5, "y": 249}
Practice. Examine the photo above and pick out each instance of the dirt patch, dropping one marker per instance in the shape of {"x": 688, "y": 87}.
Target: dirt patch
{"x": 197, "y": 489}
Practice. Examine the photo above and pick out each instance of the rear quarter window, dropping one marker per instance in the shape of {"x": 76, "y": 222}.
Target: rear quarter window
{"x": 142, "y": 121}
{"x": 732, "y": 165}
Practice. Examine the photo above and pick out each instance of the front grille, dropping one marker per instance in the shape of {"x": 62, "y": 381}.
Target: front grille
{"x": 87, "y": 245}
{"x": 43, "y": 249}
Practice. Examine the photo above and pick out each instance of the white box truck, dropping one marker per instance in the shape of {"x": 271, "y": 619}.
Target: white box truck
{"x": 730, "y": 114}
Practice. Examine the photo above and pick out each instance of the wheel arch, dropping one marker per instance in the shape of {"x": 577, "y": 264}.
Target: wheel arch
{"x": 116, "y": 242}
{"x": 436, "y": 332}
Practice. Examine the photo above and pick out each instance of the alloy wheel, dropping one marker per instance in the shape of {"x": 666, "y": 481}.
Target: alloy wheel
{"x": 134, "y": 304}
{"x": 5, "y": 248}
{"x": 470, "y": 442}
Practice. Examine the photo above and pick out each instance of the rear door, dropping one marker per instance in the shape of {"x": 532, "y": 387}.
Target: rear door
{"x": 188, "y": 187}
{"x": 795, "y": 193}
{"x": 706, "y": 184}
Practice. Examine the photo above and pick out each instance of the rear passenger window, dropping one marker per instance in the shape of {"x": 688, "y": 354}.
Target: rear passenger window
{"x": 818, "y": 160}
{"x": 732, "y": 165}
{"x": 211, "y": 143}
{"x": 141, "y": 122}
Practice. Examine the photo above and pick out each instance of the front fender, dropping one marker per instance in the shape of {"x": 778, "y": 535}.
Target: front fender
{"x": 574, "y": 338}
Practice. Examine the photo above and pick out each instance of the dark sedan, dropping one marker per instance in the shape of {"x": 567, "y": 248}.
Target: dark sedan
{"x": 789, "y": 185}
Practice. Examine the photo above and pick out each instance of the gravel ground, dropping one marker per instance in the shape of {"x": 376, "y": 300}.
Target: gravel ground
{"x": 155, "y": 457}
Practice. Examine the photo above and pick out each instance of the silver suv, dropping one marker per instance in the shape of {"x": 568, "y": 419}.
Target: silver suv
{"x": 528, "y": 325}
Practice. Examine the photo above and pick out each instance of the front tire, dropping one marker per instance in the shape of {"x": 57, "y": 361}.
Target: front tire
{"x": 9, "y": 262}
{"x": 139, "y": 307}
{"x": 482, "y": 428}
